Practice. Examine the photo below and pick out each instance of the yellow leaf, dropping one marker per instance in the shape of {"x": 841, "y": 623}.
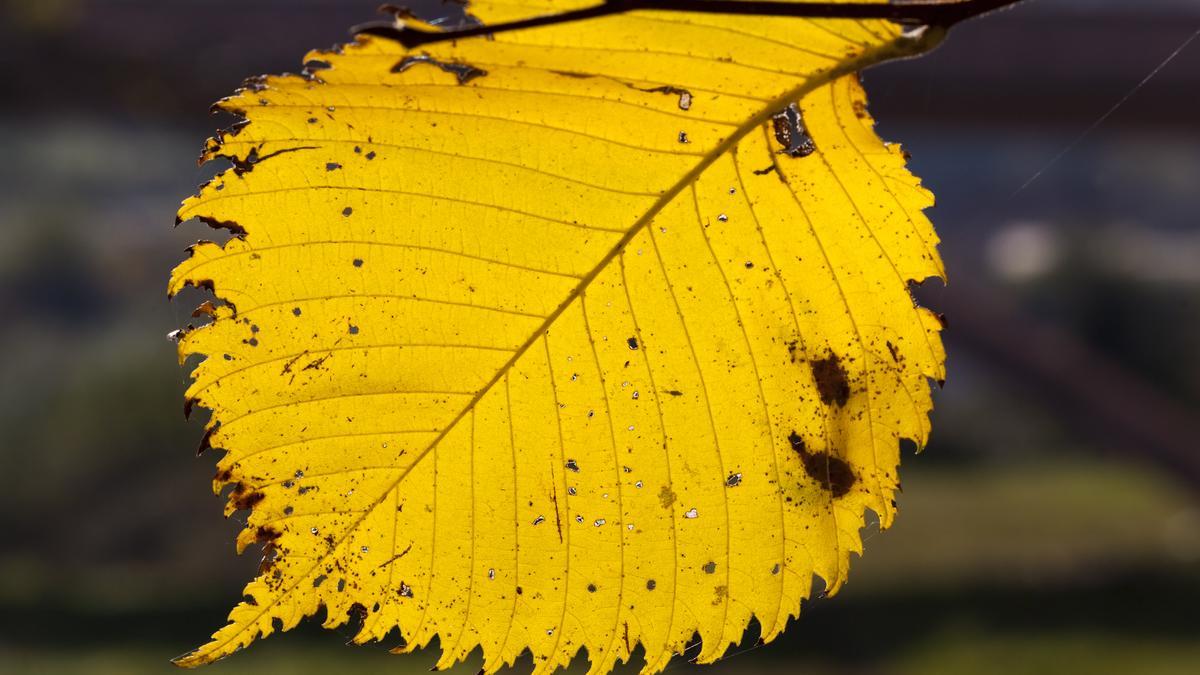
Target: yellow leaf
{"x": 590, "y": 335}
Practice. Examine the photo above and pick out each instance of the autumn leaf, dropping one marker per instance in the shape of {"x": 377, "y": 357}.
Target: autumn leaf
{"x": 582, "y": 336}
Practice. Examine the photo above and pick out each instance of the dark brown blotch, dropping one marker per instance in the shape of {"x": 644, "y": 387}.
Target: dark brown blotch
{"x": 243, "y": 501}
{"x": 833, "y": 384}
{"x": 831, "y": 473}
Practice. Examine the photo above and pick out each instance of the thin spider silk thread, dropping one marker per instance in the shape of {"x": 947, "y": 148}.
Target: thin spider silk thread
{"x": 1100, "y": 120}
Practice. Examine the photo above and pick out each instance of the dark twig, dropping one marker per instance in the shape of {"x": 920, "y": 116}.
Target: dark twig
{"x": 946, "y": 13}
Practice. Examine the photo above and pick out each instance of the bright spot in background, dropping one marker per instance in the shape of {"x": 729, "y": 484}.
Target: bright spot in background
{"x": 1022, "y": 251}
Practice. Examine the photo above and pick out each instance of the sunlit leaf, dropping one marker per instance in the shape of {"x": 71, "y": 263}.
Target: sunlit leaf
{"x": 586, "y": 336}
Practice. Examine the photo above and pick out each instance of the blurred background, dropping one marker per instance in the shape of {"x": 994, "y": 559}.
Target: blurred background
{"x": 1053, "y": 524}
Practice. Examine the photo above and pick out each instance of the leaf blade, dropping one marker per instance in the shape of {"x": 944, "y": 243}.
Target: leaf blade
{"x": 568, "y": 317}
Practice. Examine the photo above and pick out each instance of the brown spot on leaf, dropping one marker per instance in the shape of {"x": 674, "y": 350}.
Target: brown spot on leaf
{"x": 833, "y": 384}
{"x": 792, "y": 347}
{"x": 245, "y": 165}
{"x": 463, "y": 71}
{"x": 831, "y": 473}
{"x": 396, "y": 557}
{"x": 685, "y": 96}
{"x": 557, "y": 515}
{"x": 315, "y": 364}
{"x": 797, "y": 443}
{"x": 894, "y": 351}
{"x": 572, "y": 74}
{"x": 287, "y": 367}
{"x": 666, "y": 496}
{"x": 243, "y": 501}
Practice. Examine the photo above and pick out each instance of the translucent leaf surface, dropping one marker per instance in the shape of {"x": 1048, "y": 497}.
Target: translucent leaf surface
{"x": 589, "y": 336}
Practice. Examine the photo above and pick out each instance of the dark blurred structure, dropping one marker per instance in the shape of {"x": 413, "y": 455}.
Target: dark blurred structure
{"x": 1052, "y": 526}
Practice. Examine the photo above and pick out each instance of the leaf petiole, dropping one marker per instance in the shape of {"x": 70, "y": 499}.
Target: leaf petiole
{"x": 944, "y": 13}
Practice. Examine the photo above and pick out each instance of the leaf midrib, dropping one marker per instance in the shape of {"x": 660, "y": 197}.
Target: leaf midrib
{"x": 894, "y": 49}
